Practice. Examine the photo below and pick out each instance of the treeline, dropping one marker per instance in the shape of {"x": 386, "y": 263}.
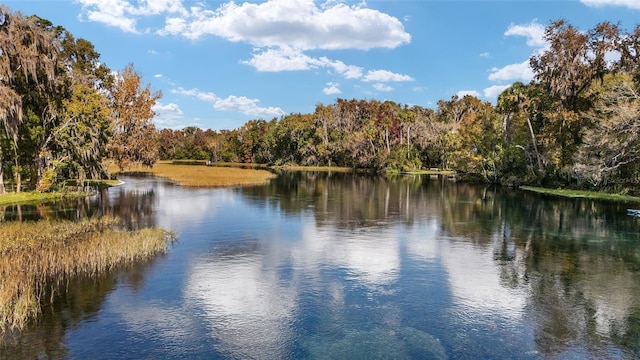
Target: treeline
{"x": 577, "y": 123}
{"x": 62, "y": 111}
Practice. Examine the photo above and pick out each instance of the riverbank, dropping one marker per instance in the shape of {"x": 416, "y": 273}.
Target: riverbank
{"x": 36, "y": 258}
{"x": 65, "y": 193}
{"x": 596, "y": 195}
{"x": 35, "y": 197}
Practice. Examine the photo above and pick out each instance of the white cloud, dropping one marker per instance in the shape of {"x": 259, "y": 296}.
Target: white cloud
{"x": 201, "y": 95}
{"x": 494, "y": 91}
{"x": 332, "y": 88}
{"x": 281, "y": 30}
{"x": 463, "y": 93}
{"x": 167, "y": 115}
{"x": 125, "y": 24}
{"x": 534, "y": 32}
{"x": 155, "y": 7}
{"x": 485, "y": 54}
{"x": 157, "y": 76}
{"x": 348, "y": 71}
{"x": 174, "y": 26}
{"x": 232, "y": 103}
{"x": 382, "y": 87}
{"x": 300, "y": 24}
{"x": 123, "y": 14}
{"x": 385, "y": 76}
{"x": 632, "y": 4}
{"x": 246, "y": 106}
{"x": 521, "y": 71}
{"x": 281, "y": 59}
{"x": 289, "y": 59}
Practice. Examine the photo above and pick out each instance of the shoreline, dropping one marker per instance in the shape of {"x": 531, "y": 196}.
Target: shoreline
{"x": 582, "y": 194}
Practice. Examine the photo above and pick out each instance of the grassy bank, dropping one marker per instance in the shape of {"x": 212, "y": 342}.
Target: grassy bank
{"x": 582, "y": 194}
{"x": 35, "y": 258}
{"x": 34, "y": 196}
{"x": 206, "y": 176}
{"x": 68, "y": 192}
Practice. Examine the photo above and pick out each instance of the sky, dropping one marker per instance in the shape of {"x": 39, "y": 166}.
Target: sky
{"x": 219, "y": 64}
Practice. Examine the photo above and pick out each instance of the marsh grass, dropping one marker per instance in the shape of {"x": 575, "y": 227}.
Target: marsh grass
{"x": 36, "y": 258}
{"x": 206, "y": 176}
{"x": 596, "y": 195}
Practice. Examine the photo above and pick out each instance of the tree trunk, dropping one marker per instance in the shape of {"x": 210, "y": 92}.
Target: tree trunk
{"x": 18, "y": 182}
{"x": 2, "y": 189}
{"x": 386, "y": 139}
{"x": 535, "y": 144}
{"x": 18, "y": 174}
{"x": 408, "y": 143}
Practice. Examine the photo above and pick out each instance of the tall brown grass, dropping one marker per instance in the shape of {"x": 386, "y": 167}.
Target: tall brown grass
{"x": 36, "y": 258}
{"x": 207, "y": 176}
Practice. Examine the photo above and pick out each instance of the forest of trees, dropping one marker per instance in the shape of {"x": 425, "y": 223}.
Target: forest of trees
{"x": 577, "y": 123}
{"x": 63, "y": 112}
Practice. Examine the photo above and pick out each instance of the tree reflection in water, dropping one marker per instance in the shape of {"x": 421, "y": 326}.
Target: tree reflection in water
{"x": 362, "y": 258}
{"x": 577, "y": 259}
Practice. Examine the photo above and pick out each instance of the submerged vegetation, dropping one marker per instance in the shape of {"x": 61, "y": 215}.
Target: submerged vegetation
{"x": 585, "y": 194}
{"x": 36, "y": 259}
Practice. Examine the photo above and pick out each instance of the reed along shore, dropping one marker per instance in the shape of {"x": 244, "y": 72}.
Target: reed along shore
{"x": 37, "y": 257}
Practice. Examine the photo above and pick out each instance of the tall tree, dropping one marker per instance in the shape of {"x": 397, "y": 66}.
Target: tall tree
{"x": 28, "y": 63}
{"x": 82, "y": 143}
{"x": 517, "y": 106}
{"x": 476, "y": 143}
{"x": 83, "y": 62}
{"x": 134, "y": 136}
{"x": 613, "y": 144}
{"x": 573, "y": 61}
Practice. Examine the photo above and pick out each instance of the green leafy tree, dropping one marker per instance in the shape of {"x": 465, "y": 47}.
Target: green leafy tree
{"x": 476, "y": 143}
{"x": 82, "y": 143}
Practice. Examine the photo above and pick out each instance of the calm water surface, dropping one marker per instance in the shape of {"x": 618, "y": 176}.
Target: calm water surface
{"x": 340, "y": 266}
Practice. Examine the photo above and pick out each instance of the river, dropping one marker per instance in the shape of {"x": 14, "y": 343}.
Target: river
{"x": 346, "y": 266}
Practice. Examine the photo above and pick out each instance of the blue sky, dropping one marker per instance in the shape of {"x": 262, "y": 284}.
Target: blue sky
{"x": 222, "y": 63}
